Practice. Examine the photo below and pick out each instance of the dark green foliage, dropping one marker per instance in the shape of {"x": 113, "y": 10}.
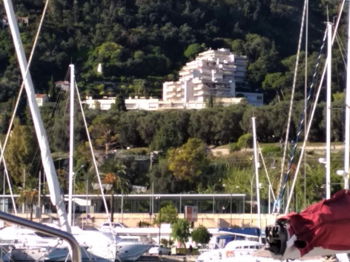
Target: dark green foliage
{"x": 201, "y": 235}
{"x": 167, "y": 214}
{"x": 119, "y": 104}
{"x": 193, "y": 50}
{"x": 181, "y": 230}
{"x": 272, "y": 149}
{"x": 146, "y": 39}
{"x": 141, "y": 44}
{"x": 172, "y": 131}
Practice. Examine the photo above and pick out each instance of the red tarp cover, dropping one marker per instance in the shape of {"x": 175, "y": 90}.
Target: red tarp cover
{"x": 325, "y": 224}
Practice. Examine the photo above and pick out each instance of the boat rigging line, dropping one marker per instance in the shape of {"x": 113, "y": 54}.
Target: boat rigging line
{"x": 312, "y": 114}
{"x": 285, "y": 176}
{"x": 92, "y": 154}
{"x": 47, "y": 161}
{"x": 4, "y": 144}
{"x": 294, "y": 144}
{"x": 292, "y": 96}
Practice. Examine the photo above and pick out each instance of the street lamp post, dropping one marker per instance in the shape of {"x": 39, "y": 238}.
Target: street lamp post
{"x": 160, "y": 219}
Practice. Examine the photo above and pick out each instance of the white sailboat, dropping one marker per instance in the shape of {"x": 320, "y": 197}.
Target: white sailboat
{"x": 28, "y": 245}
{"x": 236, "y": 249}
{"x": 103, "y": 244}
{"x": 99, "y": 244}
{"x": 55, "y": 194}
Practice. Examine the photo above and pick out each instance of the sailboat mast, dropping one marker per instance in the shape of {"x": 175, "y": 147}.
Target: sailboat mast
{"x": 47, "y": 161}
{"x": 328, "y": 114}
{"x": 256, "y": 166}
{"x": 71, "y": 145}
{"x": 347, "y": 112}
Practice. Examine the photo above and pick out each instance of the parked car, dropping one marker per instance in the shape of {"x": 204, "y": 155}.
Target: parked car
{"x": 159, "y": 250}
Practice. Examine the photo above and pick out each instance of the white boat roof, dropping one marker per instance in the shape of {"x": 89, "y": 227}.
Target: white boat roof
{"x": 242, "y": 243}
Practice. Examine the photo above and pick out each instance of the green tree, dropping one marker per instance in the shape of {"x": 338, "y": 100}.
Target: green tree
{"x": 28, "y": 197}
{"x": 167, "y": 214}
{"x": 172, "y": 130}
{"x": 275, "y": 82}
{"x": 22, "y": 156}
{"x": 238, "y": 179}
{"x": 148, "y": 126}
{"x": 103, "y": 131}
{"x": 111, "y": 55}
{"x": 181, "y": 231}
{"x": 262, "y": 55}
{"x": 117, "y": 181}
{"x": 161, "y": 178}
{"x": 127, "y": 128}
{"x": 202, "y": 124}
{"x": 201, "y": 235}
{"x": 226, "y": 125}
{"x": 245, "y": 141}
{"x": 194, "y": 49}
{"x": 119, "y": 104}
{"x": 188, "y": 161}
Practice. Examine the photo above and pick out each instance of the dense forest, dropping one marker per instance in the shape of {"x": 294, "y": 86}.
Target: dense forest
{"x": 141, "y": 44}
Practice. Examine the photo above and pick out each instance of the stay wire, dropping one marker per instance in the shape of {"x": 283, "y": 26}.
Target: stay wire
{"x": 312, "y": 113}
{"x": 292, "y": 96}
{"x": 21, "y": 89}
{"x": 294, "y": 143}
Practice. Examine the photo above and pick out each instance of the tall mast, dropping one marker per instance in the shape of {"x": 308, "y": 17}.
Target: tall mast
{"x": 328, "y": 117}
{"x": 49, "y": 168}
{"x": 71, "y": 145}
{"x": 347, "y": 111}
{"x": 256, "y": 166}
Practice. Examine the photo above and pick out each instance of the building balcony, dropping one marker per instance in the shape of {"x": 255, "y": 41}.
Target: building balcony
{"x": 185, "y": 72}
{"x": 197, "y": 80}
{"x": 170, "y": 93}
{"x": 198, "y": 87}
{"x": 200, "y": 93}
{"x": 169, "y": 88}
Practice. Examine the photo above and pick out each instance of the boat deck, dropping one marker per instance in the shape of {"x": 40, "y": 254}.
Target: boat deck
{"x": 167, "y": 258}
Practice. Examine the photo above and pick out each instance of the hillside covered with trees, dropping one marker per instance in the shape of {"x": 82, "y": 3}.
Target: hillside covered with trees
{"x": 141, "y": 44}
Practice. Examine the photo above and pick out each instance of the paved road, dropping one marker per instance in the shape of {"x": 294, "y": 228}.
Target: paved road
{"x": 226, "y": 151}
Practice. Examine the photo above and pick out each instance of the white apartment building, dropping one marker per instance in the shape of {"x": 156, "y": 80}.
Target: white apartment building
{"x": 212, "y": 76}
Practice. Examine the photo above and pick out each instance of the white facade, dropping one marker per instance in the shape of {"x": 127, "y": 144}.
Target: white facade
{"x": 41, "y": 99}
{"x": 136, "y": 103}
{"x": 104, "y": 103}
{"x": 212, "y": 75}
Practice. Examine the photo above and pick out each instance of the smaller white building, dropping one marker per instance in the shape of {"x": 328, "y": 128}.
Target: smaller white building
{"x": 104, "y": 103}
{"x": 150, "y": 104}
{"x": 41, "y": 99}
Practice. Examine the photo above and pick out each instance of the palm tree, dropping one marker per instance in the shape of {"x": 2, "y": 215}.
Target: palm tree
{"x": 118, "y": 183}
{"x": 28, "y": 197}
